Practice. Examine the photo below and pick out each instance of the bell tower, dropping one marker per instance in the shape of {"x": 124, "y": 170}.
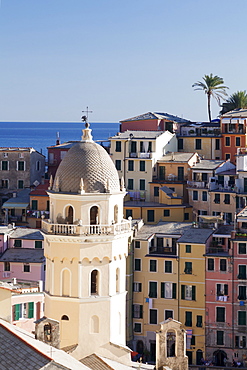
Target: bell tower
{"x": 86, "y": 245}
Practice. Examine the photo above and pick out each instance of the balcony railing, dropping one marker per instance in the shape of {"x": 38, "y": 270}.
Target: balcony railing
{"x": 216, "y": 249}
{"x": 163, "y": 250}
{"x": 170, "y": 178}
{"x": 197, "y": 184}
{"x": 66, "y": 229}
{"x": 222, "y": 298}
{"x": 143, "y": 155}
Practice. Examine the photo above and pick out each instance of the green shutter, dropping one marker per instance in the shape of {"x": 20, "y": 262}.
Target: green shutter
{"x": 193, "y": 293}
{"x": 17, "y": 311}
{"x": 162, "y": 290}
{"x": 30, "y": 310}
{"x": 174, "y": 290}
{"x": 182, "y": 291}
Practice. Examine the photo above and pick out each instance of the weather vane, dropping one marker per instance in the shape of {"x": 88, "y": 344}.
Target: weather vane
{"x": 85, "y": 117}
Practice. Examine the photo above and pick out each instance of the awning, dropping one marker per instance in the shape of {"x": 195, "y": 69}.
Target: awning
{"x": 11, "y": 205}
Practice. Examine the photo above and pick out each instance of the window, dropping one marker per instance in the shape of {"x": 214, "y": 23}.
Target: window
{"x": 118, "y": 164}
{"x": 193, "y": 340}
{"x": 186, "y": 216}
{"x": 220, "y": 314}
{"x": 118, "y": 146}
{"x": 220, "y": 337}
{"x": 5, "y": 155}
{"x": 26, "y": 267}
{"x": 142, "y": 166}
{"x": 168, "y": 290}
{"x": 142, "y": 184}
{"x": 38, "y": 243}
{"x": 6, "y": 266}
{"x": 156, "y": 191}
{"x": 38, "y": 166}
{"x": 17, "y": 312}
{"x": 227, "y": 199}
{"x": 168, "y": 267}
{"x": 240, "y": 341}
{"x": 217, "y": 198}
{"x": 166, "y": 213}
{"x": 152, "y": 316}
{"x": 34, "y": 205}
{"x": 242, "y": 272}
{"x": 188, "y": 292}
{"x": 5, "y": 184}
{"x": 168, "y": 314}
{"x": 137, "y": 264}
{"x": 188, "y": 318}
{"x": 223, "y": 265}
{"x": 130, "y": 184}
{"x": 180, "y": 144}
{"x": 204, "y": 196}
{"x": 137, "y": 244}
{"x": 4, "y": 165}
{"x": 129, "y": 213}
{"x": 199, "y": 321}
{"x": 228, "y": 156}
{"x": 153, "y": 265}
{"x": 188, "y": 248}
{"x": 241, "y": 317}
{"x": 180, "y": 174}
{"x": 152, "y": 289}
{"x": 217, "y": 144}
{"x": 198, "y": 144}
{"x": 242, "y": 293}
{"x": 195, "y": 195}
{"x": 18, "y": 243}
{"x": 20, "y": 166}
{"x": 137, "y": 287}
{"x": 137, "y": 312}
{"x": 130, "y": 165}
{"x": 241, "y": 248}
{"x": 188, "y": 268}
{"x": 137, "y": 327}
{"x": 150, "y": 214}
{"x": 227, "y": 141}
{"x": 94, "y": 282}
{"x": 221, "y": 289}
{"x": 238, "y": 141}
{"x": 20, "y": 184}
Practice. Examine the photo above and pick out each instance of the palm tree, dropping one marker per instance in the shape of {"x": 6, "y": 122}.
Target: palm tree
{"x": 235, "y": 101}
{"x": 212, "y": 86}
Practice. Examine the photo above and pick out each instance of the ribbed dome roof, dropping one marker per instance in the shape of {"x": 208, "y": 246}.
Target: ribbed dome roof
{"x": 90, "y": 162}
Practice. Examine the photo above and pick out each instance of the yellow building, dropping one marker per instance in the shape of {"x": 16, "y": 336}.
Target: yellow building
{"x": 86, "y": 245}
{"x": 135, "y": 153}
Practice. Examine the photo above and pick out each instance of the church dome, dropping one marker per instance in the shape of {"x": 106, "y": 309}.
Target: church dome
{"x": 88, "y": 167}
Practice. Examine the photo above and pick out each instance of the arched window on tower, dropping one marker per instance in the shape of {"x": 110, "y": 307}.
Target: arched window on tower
{"x": 94, "y": 282}
{"x": 94, "y": 324}
{"x": 170, "y": 343}
{"x": 117, "y": 280}
{"x": 115, "y": 213}
{"x": 70, "y": 215}
{"x": 65, "y": 283}
{"x": 94, "y": 215}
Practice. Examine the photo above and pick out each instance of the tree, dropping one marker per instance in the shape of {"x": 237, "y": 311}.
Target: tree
{"x": 213, "y": 87}
{"x": 235, "y": 101}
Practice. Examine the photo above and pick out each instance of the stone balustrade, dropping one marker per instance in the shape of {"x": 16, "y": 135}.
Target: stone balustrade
{"x": 66, "y": 229}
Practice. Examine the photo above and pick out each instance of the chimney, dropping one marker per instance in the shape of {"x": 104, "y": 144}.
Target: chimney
{"x": 58, "y": 139}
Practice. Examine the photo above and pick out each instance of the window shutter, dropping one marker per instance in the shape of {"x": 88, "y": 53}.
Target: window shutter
{"x": 182, "y": 291}
{"x": 226, "y": 289}
{"x": 141, "y": 311}
{"x": 162, "y": 290}
{"x": 193, "y": 293}
{"x": 30, "y": 310}
{"x": 174, "y": 290}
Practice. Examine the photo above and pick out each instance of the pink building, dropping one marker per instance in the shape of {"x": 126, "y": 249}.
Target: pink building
{"x": 24, "y": 258}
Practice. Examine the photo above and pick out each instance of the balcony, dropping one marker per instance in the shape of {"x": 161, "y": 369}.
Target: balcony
{"x": 141, "y": 155}
{"x": 75, "y": 230}
{"x": 201, "y": 132}
{"x": 222, "y": 298}
{"x": 163, "y": 250}
{"x": 170, "y": 178}
{"x": 197, "y": 184}
{"x": 218, "y": 249}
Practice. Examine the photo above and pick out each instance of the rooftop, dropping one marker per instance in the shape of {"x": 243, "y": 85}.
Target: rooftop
{"x": 27, "y": 234}
{"x": 140, "y": 134}
{"x": 208, "y": 164}
{"x": 196, "y": 235}
{"x": 236, "y": 113}
{"x": 20, "y": 201}
{"x": 176, "y": 157}
{"x": 167, "y": 228}
{"x": 134, "y": 203}
{"x": 156, "y": 115}
{"x": 25, "y": 255}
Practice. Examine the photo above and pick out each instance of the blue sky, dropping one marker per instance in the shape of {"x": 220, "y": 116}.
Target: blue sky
{"x": 120, "y": 58}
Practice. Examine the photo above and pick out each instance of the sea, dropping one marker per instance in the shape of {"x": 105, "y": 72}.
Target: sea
{"x": 40, "y": 135}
